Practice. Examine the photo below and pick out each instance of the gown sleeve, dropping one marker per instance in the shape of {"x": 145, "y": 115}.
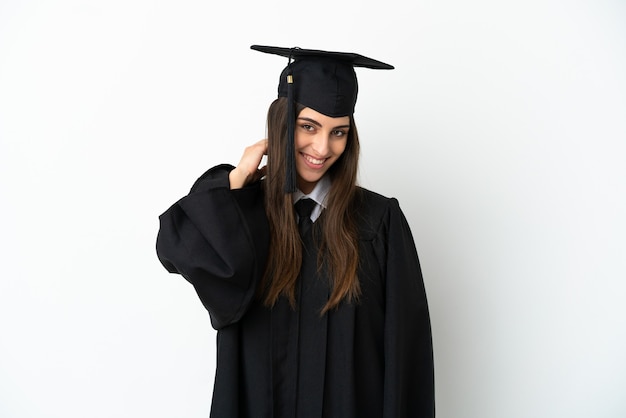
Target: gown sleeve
{"x": 409, "y": 369}
{"x": 217, "y": 239}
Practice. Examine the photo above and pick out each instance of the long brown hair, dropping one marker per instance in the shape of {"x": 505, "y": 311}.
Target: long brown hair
{"x": 337, "y": 227}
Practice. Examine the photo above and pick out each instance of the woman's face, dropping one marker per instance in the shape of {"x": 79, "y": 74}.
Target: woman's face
{"x": 319, "y": 142}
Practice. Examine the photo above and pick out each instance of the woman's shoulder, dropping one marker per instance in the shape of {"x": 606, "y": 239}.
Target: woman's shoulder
{"x": 373, "y": 210}
{"x": 376, "y": 202}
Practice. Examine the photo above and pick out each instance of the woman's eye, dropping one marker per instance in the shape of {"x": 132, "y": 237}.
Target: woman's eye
{"x": 339, "y": 133}
{"x": 307, "y": 127}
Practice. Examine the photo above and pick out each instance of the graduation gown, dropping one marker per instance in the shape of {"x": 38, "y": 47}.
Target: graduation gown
{"x": 371, "y": 358}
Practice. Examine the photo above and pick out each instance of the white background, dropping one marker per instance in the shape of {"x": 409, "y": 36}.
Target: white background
{"x": 502, "y": 132}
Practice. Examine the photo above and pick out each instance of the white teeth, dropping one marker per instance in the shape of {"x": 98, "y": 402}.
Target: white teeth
{"x": 313, "y": 160}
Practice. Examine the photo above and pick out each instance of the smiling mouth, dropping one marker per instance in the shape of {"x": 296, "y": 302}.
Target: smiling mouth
{"x": 312, "y": 160}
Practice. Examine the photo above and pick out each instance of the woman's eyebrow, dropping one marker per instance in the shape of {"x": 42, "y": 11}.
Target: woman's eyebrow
{"x": 319, "y": 125}
{"x": 313, "y": 121}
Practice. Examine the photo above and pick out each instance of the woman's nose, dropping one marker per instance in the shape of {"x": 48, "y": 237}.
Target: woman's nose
{"x": 320, "y": 144}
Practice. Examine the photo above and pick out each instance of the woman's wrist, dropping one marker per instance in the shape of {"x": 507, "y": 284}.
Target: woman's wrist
{"x": 237, "y": 178}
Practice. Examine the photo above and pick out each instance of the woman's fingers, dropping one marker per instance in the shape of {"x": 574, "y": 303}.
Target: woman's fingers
{"x": 252, "y": 156}
{"x": 248, "y": 168}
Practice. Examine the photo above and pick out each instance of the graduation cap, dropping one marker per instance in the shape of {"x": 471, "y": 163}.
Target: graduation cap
{"x": 322, "y": 80}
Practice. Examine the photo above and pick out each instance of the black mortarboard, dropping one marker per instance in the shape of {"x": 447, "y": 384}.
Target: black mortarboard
{"x": 322, "y": 80}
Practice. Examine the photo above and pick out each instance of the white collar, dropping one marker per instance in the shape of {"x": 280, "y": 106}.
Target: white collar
{"x": 318, "y": 194}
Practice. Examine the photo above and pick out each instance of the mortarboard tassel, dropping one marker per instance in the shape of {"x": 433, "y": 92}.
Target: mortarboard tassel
{"x": 290, "y": 162}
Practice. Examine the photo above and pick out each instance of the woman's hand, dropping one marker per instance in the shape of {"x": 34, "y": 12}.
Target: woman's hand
{"x": 248, "y": 171}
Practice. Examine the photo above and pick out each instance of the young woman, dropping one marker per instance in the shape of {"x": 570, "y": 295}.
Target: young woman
{"x": 320, "y": 313}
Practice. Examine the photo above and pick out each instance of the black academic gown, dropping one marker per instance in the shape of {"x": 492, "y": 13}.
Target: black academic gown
{"x": 372, "y": 358}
